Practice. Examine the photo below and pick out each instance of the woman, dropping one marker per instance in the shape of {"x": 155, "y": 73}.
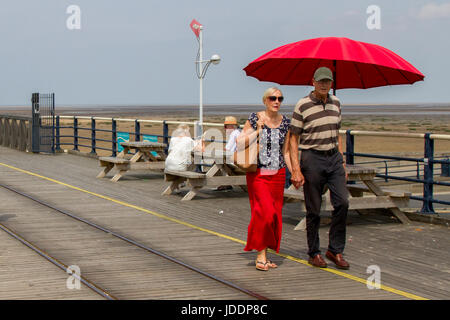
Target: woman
{"x": 266, "y": 185}
{"x": 180, "y": 149}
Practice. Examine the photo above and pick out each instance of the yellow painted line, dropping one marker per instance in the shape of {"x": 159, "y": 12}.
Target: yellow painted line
{"x": 336, "y": 272}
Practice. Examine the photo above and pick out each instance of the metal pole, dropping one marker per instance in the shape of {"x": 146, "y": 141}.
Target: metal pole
{"x": 350, "y": 146}
{"x": 428, "y": 175}
{"x": 75, "y": 134}
{"x": 93, "y": 136}
{"x": 166, "y": 137}
{"x": 334, "y": 78}
{"x": 53, "y": 122}
{"x": 350, "y": 150}
{"x": 35, "y": 131}
{"x": 137, "y": 130}
{"x": 57, "y": 133}
{"x": 114, "y": 137}
{"x": 201, "y": 80}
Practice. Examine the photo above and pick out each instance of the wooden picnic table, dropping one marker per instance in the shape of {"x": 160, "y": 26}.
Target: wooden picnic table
{"x": 222, "y": 172}
{"x": 365, "y": 195}
{"x": 143, "y": 159}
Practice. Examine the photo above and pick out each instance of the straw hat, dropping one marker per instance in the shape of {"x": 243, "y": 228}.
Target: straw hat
{"x": 230, "y": 120}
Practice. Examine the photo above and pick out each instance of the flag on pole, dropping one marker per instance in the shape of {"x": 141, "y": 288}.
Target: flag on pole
{"x": 195, "y": 26}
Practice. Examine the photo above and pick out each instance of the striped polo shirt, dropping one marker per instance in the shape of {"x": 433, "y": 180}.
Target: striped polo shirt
{"x": 317, "y": 123}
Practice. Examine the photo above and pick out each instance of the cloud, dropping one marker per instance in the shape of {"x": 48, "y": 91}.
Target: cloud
{"x": 434, "y": 11}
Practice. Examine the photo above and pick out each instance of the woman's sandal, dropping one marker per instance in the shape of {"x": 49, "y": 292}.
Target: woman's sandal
{"x": 271, "y": 264}
{"x": 264, "y": 265}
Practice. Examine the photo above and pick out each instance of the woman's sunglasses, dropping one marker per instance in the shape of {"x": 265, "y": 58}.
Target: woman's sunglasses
{"x": 274, "y": 98}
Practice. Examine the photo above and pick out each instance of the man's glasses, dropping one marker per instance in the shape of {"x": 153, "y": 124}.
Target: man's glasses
{"x": 274, "y": 98}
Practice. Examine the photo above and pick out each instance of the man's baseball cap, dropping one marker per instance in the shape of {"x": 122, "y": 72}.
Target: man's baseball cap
{"x": 230, "y": 120}
{"x": 323, "y": 73}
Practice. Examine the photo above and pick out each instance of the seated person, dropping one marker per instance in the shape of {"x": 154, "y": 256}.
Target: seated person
{"x": 180, "y": 149}
{"x": 232, "y": 132}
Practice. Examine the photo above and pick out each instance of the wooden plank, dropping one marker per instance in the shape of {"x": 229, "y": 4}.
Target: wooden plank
{"x": 192, "y": 193}
{"x": 108, "y": 166}
{"x": 143, "y": 144}
{"x": 159, "y": 165}
{"x": 185, "y": 174}
{"x": 410, "y": 260}
{"x": 115, "y": 160}
{"x": 389, "y": 192}
{"x": 173, "y": 186}
{"x": 378, "y": 191}
{"x": 20, "y": 281}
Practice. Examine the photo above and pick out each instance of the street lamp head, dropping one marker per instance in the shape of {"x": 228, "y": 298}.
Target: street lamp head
{"x": 215, "y": 59}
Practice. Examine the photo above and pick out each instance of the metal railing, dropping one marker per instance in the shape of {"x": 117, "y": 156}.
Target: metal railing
{"x": 427, "y": 161}
{"x": 93, "y": 139}
{"x": 424, "y": 172}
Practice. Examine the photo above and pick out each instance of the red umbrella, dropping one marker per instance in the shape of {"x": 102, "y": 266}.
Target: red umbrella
{"x": 355, "y": 64}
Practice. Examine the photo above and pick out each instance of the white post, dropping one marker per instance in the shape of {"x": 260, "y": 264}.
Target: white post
{"x": 201, "y": 80}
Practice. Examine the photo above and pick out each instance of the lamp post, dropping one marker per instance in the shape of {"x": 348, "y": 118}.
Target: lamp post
{"x": 201, "y": 69}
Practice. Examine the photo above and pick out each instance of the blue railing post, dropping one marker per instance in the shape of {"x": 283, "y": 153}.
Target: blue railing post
{"x": 428, "y": 175}
{"x": 166, "y": 136}
{"x": 350, "y": 147}
{"x": 114, "y": 137}
{"x": 137, "y": 130}
{"x": 57, "y": 135}
{"x": 349, "y": 150}
{"x": 418, "y": 170}
{"x": 93, "y": 136}
{"x": 75, "y": 134}
{"x": 445, "y": 168}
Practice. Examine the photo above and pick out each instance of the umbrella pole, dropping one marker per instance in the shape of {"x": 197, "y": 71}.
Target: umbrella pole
{"x": 334, "y": 77}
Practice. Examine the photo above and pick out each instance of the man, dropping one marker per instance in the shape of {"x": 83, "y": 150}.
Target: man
{"x": 316, "y": 121}
{"x": 232, "y": 132}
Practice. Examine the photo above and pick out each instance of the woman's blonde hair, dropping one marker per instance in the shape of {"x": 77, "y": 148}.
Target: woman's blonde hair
{"x": 269, "y": 92}
{"x": 181, "y": 130}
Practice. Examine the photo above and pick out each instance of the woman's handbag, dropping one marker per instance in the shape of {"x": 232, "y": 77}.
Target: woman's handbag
{"x": 247, "y": 150}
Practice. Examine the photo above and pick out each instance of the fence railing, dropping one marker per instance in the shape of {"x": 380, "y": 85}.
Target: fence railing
{"x": 15, "y": 133}
{"x": 78, "y": 140}
{"x": 428, "y": 160}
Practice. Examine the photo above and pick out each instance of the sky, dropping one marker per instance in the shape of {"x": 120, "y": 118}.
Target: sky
{"x": 142, "y": 52}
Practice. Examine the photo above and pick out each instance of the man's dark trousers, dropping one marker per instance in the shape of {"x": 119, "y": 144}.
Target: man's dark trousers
{"x": 320, "y": 169}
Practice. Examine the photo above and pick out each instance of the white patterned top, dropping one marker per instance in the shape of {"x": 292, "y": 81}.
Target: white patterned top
{"x": 271, "y": 143}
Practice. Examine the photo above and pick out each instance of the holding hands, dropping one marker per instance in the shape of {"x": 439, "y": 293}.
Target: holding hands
{"x": 297, "y": 179}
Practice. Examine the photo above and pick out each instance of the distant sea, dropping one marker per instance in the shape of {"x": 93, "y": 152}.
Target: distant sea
{"x": 234, "y": 109}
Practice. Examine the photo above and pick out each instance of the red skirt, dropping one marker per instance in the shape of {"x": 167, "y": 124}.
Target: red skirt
{"x": 265, "y": 192}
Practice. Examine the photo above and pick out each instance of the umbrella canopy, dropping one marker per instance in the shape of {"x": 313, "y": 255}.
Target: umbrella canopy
{"x": 354, "y": 64}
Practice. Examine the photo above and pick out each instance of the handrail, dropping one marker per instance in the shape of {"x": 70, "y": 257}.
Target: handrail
{"x": 424, "y": 161}
{"x": 208, "y": 124}
{"x": 395, "y": 134}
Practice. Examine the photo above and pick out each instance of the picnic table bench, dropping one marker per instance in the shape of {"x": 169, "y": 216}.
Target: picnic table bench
{"x": 143, "y": 159}
{"x": 377, "y": 197}
{"x": 222, "y": 172}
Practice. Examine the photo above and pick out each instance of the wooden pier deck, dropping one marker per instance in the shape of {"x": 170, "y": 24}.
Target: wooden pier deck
{"x": 208, "y": 232}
